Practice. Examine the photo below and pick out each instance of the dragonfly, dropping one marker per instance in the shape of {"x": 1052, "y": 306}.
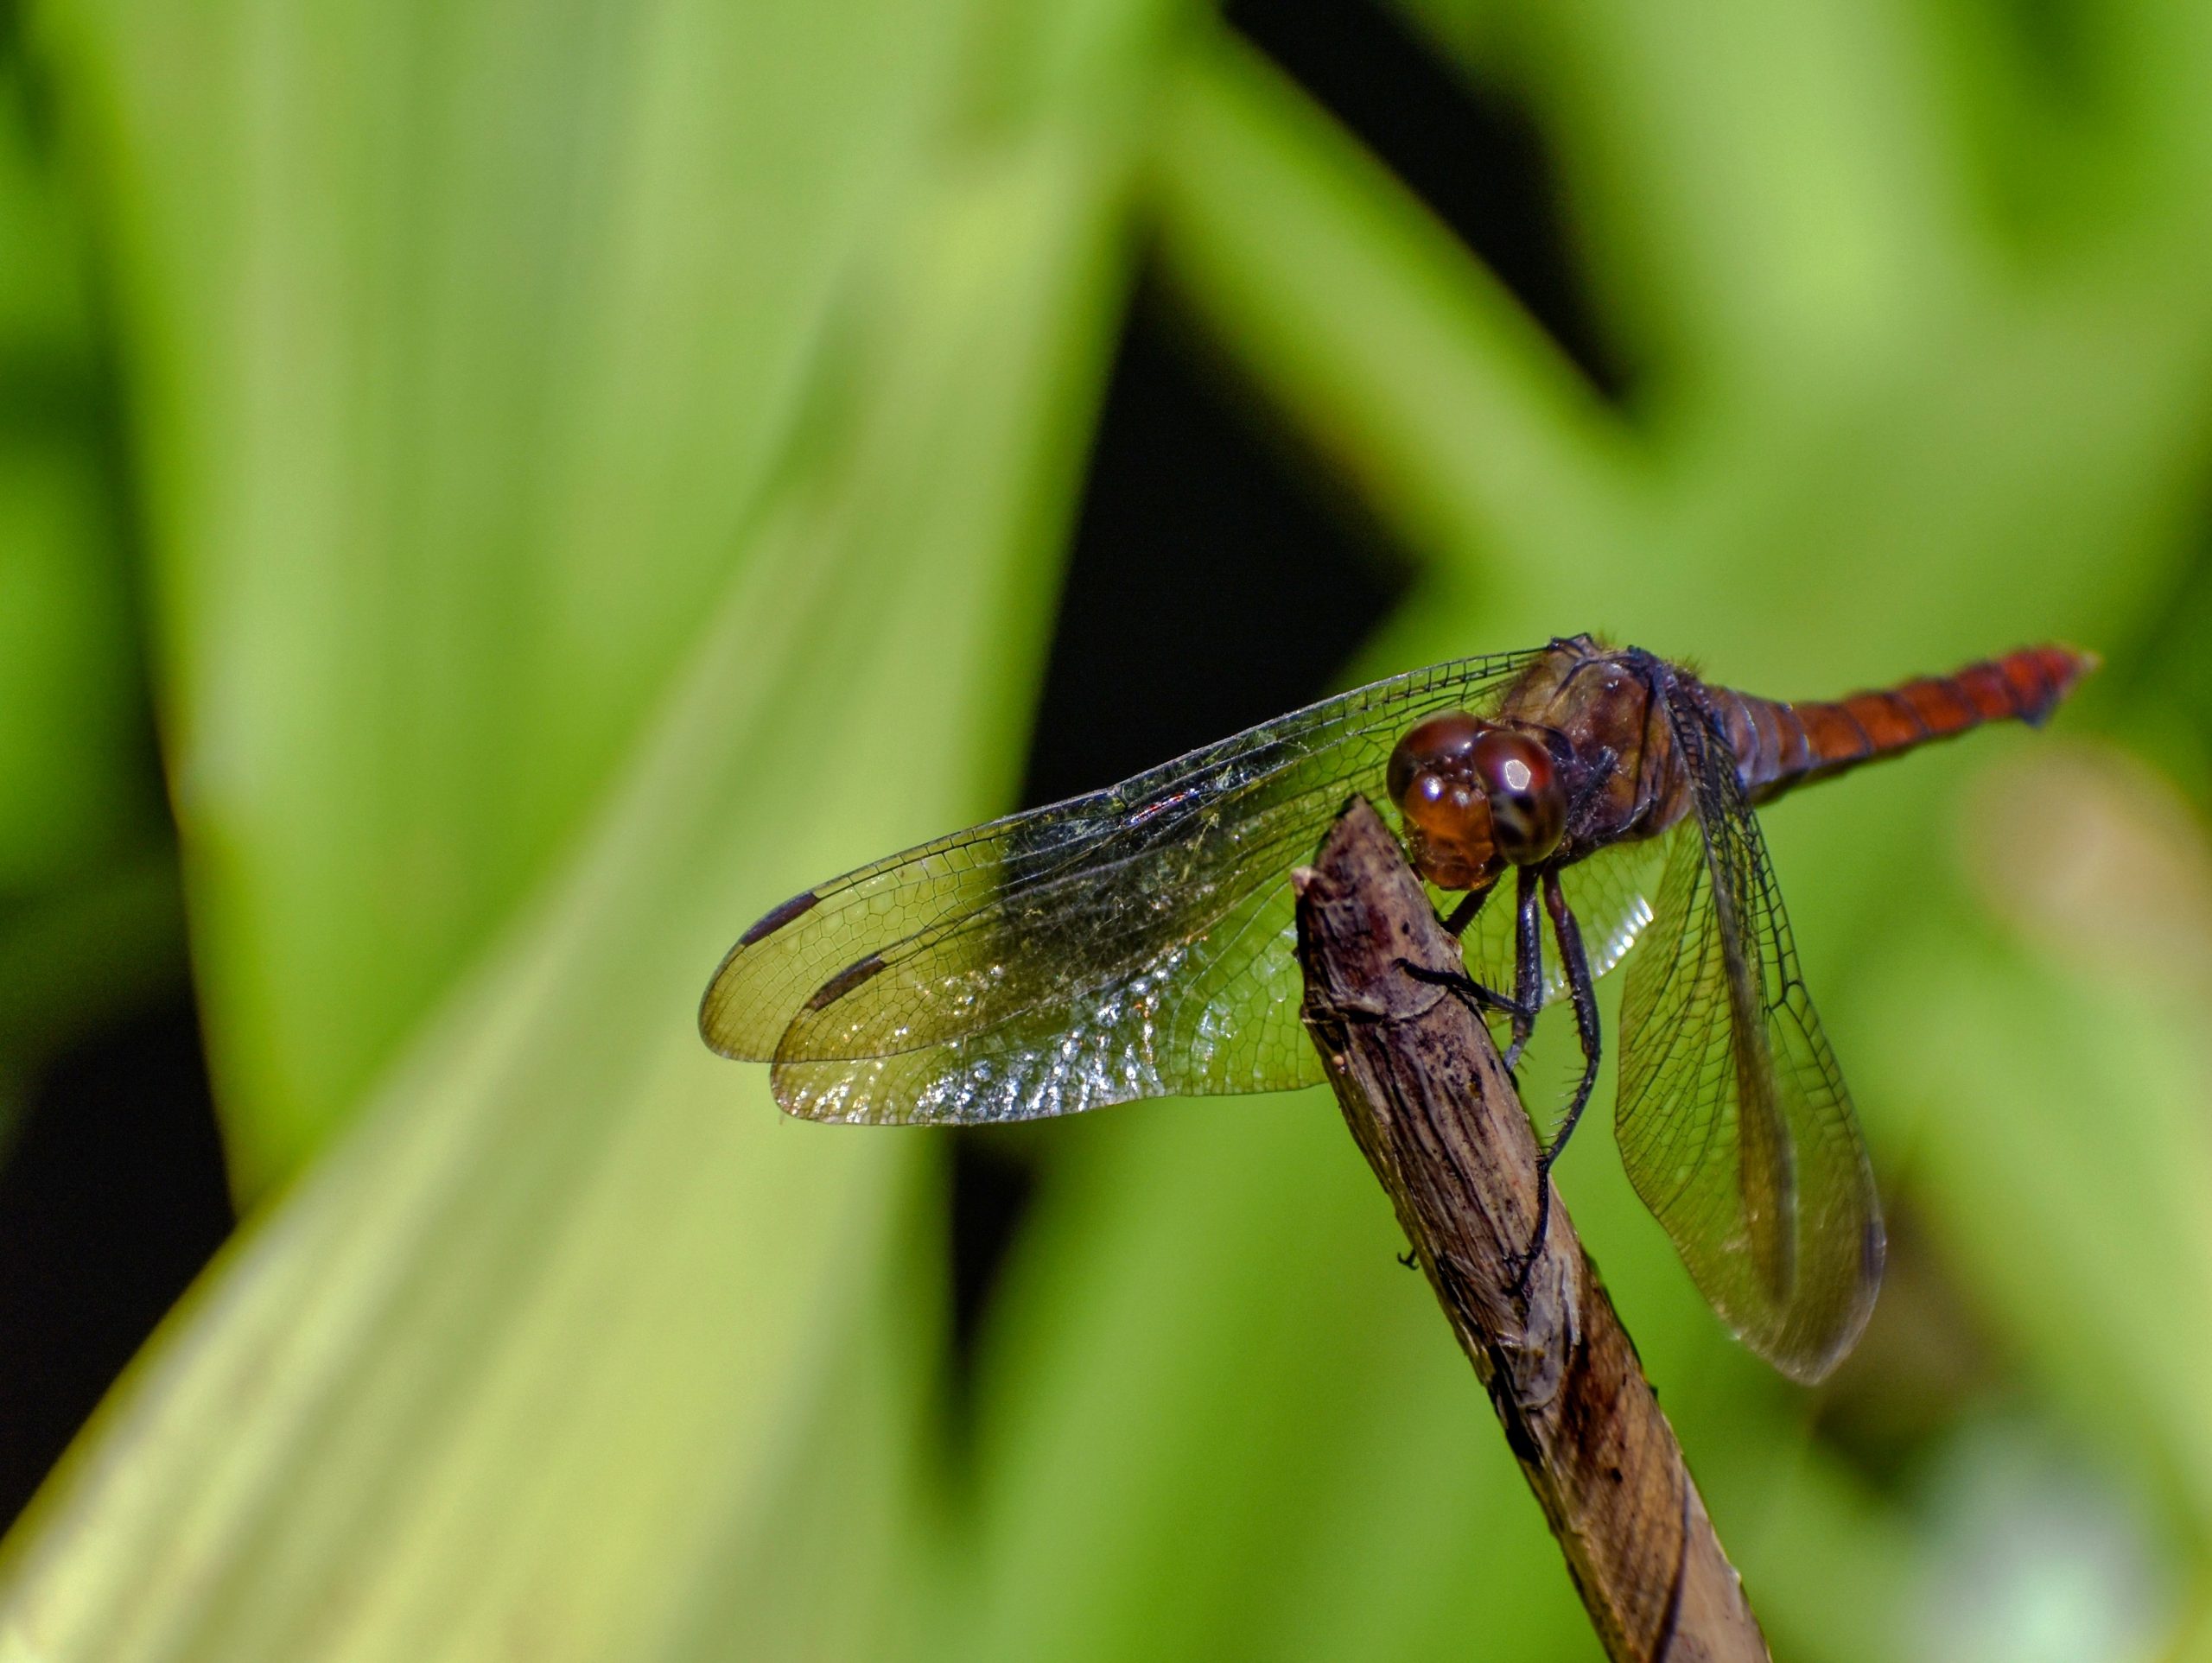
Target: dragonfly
{"x": 1139, "y": 941}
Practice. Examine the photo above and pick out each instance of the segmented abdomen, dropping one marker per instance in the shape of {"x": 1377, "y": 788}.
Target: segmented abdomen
{"x": 1781, "y": 744}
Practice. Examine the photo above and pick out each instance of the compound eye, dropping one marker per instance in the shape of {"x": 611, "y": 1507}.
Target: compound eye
{"x": 1528, "y": 807}
{"x": 1438, "y": 746}
{"x": 1444, "y": 804}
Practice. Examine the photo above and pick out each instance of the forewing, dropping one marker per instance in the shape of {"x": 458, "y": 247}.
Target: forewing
{"x": 1733, "y": 1121}
{"x": 1133, "y": 943}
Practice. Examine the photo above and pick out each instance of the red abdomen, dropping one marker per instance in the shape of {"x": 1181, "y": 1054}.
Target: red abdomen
{"x": 1781, "y": 745}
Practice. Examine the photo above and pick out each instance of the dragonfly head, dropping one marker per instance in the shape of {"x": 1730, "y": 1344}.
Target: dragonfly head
{"x": 1476, "y": 797}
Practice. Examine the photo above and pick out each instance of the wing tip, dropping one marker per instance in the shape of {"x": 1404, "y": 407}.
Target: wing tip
{"x": 710, "y": 1024}
{"x": 1811, "y": 1367}
{"x": 711, "y": 1001}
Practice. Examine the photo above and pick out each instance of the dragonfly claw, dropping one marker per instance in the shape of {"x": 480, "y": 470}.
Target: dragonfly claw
{"x": 1526, "y": 1262}
{"x": 1479, "y": 998}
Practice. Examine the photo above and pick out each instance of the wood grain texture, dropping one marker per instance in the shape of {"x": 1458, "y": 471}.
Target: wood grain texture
{"x": 1431, "y": 1105}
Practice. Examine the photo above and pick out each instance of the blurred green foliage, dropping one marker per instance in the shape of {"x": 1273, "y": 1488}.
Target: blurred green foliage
{"x": 591, "y": 469}
{"x": 90, "y": 918}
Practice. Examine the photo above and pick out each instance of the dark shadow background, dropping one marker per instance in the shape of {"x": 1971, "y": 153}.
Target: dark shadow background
{"x": 1214, "y": 580}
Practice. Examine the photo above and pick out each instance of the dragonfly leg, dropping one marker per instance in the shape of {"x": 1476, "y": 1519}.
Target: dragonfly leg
{"x": 1583, "y": 992}
{"x": 1479, "y": 998}
{"x": 1456, "y": 922}
{"x": 1522, "y": 1012}
{"x": 1528, "y": 967}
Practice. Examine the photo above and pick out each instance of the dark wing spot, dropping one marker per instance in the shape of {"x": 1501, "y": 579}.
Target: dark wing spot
{"x": 844, "y": 981}
{"x": 779, "y": 916}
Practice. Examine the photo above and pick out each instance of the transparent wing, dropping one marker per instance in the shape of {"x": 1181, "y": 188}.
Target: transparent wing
{"x": 1733, "y": 1120}
{"x": 1136, "y": 941}
{"x": 1613, "y": 895}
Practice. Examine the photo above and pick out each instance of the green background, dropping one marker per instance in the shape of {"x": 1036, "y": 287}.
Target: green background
{"x": 513, "y": 445}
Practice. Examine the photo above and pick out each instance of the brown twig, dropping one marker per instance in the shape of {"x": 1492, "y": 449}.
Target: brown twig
{"x": 1436, "y": 1114}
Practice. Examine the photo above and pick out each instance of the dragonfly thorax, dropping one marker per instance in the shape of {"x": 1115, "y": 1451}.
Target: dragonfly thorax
{"x": 1477, "y": 796}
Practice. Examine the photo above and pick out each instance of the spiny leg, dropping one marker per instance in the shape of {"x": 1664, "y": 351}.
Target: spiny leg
{"x": 1479, "y": 998}
{"x": 1527, "y": 967}
{"x": 1526, "y": 993}
{"x": 1583, "y": 992}
{"x": 1455, "y": 924}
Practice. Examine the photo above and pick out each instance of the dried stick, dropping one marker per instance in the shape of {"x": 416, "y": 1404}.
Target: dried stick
{"x": 1436, "y": 1114}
